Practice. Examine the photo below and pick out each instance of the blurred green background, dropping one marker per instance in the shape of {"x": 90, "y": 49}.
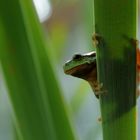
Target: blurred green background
{"x": 68, "y": 26}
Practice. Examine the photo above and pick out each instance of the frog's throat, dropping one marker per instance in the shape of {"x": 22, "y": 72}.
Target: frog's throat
{"x": 87, "y": 72}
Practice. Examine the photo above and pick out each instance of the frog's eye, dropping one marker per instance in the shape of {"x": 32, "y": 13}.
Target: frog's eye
{"x": 77, "y": 56}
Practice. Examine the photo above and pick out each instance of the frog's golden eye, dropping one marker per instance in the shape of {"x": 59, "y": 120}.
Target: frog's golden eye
{"x": 77, "y": 56}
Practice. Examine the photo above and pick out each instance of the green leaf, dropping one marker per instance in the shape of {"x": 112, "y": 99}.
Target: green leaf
{"x": 116, "y": 58}
{"x": 39, "y": 109}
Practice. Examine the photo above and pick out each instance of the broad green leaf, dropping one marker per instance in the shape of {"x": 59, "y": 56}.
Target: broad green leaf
{"x": 39, "y": 109}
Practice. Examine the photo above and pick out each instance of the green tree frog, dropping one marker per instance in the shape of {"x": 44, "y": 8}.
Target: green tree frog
{"x": 84, "y": 67}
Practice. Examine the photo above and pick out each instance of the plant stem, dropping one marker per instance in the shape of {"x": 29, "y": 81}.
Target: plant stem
{"x": 115, "y": 23}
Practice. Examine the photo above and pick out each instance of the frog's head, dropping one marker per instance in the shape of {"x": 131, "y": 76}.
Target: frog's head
{"x": 82, "y": 66}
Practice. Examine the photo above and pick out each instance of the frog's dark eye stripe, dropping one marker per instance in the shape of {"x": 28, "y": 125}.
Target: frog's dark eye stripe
{"x": 77, "y": 56}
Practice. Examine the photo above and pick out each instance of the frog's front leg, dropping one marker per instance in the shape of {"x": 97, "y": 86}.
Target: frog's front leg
{"x": 97, "y": 88}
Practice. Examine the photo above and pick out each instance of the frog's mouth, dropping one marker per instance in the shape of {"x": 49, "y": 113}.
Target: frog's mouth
{"x": 82, "y": 71}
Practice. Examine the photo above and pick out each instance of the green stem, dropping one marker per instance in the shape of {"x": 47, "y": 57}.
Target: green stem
{"x": 115, "y": 22}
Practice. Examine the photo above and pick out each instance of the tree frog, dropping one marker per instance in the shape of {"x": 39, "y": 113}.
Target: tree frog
{"x": 84, "y": 66}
